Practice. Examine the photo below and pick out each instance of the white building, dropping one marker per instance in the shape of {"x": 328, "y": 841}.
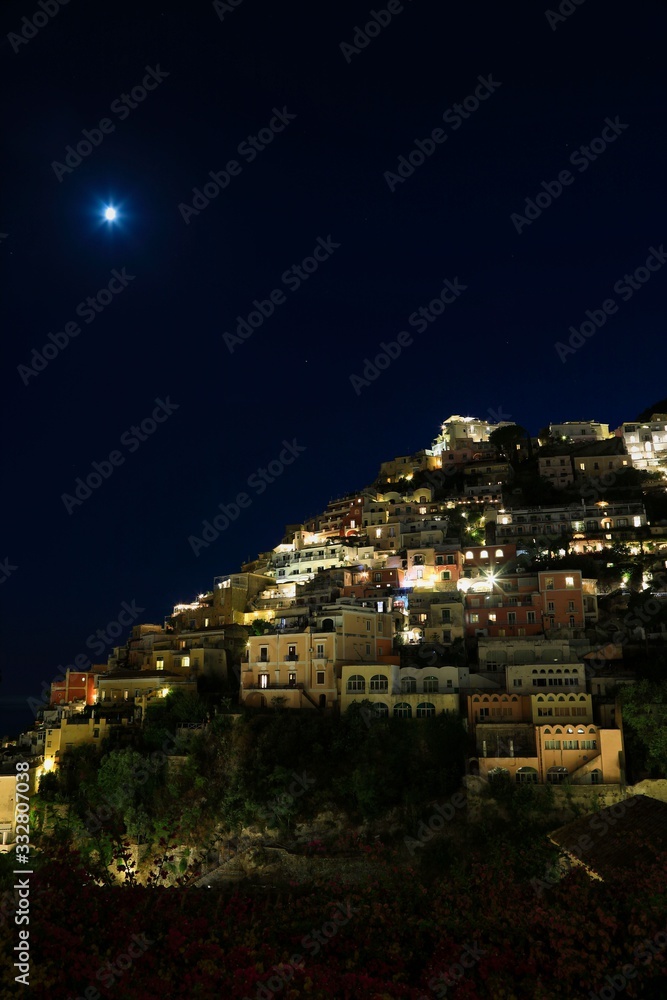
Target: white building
{"x": 647, "y": 443}
{"x": 300, "y": 560}
{"x": 457, "y": 432}
{"x": 580, "y": 430}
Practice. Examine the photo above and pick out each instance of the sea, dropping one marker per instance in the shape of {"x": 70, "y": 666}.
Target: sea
{"x": 15, "y": 715}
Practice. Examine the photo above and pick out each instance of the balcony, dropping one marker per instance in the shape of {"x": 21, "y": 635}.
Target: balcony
{"x": 273, "y": 687}
{"x": 291, "y": 657}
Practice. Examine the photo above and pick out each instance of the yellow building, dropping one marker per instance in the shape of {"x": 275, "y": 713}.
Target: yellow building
{"x": 8, "y": 794}
{"x": 125, "y": 685}
{"x": 300, "y": 665}
{"x": 582, "y": 754}
{"x": 411, "y": 693}
{"x": 570, "y": 708}
{"x": 73, "y": 732}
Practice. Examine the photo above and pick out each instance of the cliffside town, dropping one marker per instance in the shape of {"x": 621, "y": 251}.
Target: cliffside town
{"x": 505, "y": 579}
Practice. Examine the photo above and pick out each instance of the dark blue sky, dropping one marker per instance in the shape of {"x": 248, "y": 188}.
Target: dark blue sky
{"x": 322, "y": 176}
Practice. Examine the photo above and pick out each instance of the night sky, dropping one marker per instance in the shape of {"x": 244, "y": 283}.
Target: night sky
{"x": 344, "y": 119}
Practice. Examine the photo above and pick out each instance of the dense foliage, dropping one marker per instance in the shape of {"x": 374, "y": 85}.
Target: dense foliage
{"x": 395, "y": 937}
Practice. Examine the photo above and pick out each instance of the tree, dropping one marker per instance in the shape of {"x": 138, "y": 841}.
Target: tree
{"x": 659, "y": 407}
{"x": 644, "y": 707}
{"x": 506, "y": 439}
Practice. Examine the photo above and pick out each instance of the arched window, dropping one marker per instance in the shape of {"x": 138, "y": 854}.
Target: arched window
{"x": 327, "y": 624}
{"x": 402, "y": 710}
{"x": 408, "y": 685}
{"x": 557, "y": 774}
{"x": 527, "y": 775}
{"x": 356, "y": 683}
{"x": 379, "y": 683}
{"x": 498, "y": 774}
{"x": 596, "y": 776}
{"x": 424, "y": 709}
{"x": 469, "y": 555}
{"x": 430, "y": 685}
{"x": 484, "y": 554}
{"x": 380, "y": 709}
{"x": 499, "y": 553}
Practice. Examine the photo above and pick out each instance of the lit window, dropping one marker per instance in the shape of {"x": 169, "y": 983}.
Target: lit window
{"x": 378, "y": 532}
{"x": 499, "y": 553}
{"x": 469, "y": 555}
{"x": 569, "y": 581}
{"x": 484, "y": 554}
{"x": 474, "y": 619}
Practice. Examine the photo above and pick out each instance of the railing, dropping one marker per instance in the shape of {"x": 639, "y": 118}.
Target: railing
{"x": 273, "y": 687}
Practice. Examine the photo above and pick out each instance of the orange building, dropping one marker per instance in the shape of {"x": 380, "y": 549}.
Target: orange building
{"x": 76, "y": 685}
{"x": 373, "y": 582}
{"x": 525, "y": 604}
{"x": 562, "y": 598}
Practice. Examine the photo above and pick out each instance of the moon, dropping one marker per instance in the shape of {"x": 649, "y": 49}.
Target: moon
{"x": 110, "y": 214}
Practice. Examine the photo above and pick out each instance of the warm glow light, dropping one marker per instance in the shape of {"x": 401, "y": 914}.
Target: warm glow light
{"x": 48, "y": 764}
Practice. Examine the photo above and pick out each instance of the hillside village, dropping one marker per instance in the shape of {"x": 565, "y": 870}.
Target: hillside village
{"x": 506, "y": 580}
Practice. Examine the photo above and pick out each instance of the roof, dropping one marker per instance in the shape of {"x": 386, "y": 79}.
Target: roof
{"x": 612, "y": 651}
{"x": 146, "y": 675}
{"x": 600, "y": 840}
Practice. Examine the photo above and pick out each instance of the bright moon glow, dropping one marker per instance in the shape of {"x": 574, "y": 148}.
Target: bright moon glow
{"x": 110, "y": 214}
